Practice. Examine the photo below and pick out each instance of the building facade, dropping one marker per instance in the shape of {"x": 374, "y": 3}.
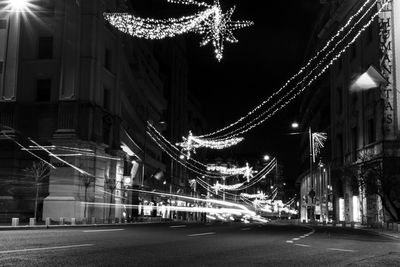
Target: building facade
{"x": 364, "y": 118}
{"x": 77, "y": 94}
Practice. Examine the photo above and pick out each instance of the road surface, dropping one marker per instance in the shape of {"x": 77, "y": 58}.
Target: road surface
{"x": 176, "y": 244}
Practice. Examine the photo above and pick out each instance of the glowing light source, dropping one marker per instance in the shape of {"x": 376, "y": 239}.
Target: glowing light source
{"x": 326, "y": 60}
{"x": 191, "y": 143}
{"x": 18, "y": 5}
{"x": 213, "y": 24}
{"x": 267, "y": 157}
{"x": 295, "y": 125}
{"x": 372, "y": 78}
{"x": 318, "y": 143}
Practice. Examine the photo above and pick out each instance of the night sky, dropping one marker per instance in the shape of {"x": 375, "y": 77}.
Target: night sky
{"x": 267, "y": 55}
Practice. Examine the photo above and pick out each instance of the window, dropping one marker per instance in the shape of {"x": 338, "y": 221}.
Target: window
{"x": 45, "y": 49}
{"x": 353, "y": 51}
{"x": 107, "y": 59}
{"x": 354, "y": 142}
{"x": 339, "y": 105}
{"x": 340, "y": 147}
{"x": 370, "y": 34}
{"x": 340, "y": 65}
{"x": 106, "y": 99}
{"x": 43, "y": 90}
{"x": 371, "y": 131}
{"x": 1, "y": 67}
{"x": 3, "y": 24}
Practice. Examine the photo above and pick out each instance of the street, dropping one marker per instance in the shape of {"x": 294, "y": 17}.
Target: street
{"x": 216, "y": 244}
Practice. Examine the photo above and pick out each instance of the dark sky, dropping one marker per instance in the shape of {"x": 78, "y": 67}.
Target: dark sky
{"x": 267, "y": 55}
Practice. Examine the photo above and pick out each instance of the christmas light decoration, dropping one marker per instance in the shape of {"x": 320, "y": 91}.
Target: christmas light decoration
{"x": 242, "y": 186}
{"x": 248, "y": 172}
{"x": 264, "y": 116}
{"x": 245, "y": 171}
{"x": 213, "y": 24}
{"x": 174, "y": 154}
{"x": 254, "y": 196}
{"x": 191, "y": 143}
{"x": 218, "y": 187}
{"x": 327, "y": 45}
{"x": 318, "y": 143}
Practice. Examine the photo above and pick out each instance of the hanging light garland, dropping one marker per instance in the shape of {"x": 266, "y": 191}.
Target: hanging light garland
{"x": 213, "y": 24}
{"x": 242, "y": 186}
{"x": 245, "y": 171}
{"x": 260, "y": 118}
{"x": 316, "y": 71}
{"x": 191, "y": 143}
{"x": 327, "y": 45}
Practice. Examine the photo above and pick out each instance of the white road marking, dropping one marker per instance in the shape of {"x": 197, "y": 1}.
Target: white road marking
{"x": 302, "y": 245}
{"x": 177, "y": 226}
{"x": 295, "y": 239}
{"x": 246, "y": 229}
{"x": 339, "y": 249}
{"x": 45, "y": 248}
{"x": 103, "y": 230}
{"x": 210, "y": 233}
{"x": 289, "y": 241}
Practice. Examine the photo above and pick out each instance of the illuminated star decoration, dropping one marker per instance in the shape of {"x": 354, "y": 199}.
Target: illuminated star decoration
{"x": 318, "y": 143}
{"x": 248, "y": 173}
{"x": 218, "y": 28}
{"x": 215, "y": 26}
{"x": 191, "y": 143}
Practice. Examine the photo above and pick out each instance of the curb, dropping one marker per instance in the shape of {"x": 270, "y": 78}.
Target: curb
{"x": 65, "y": 226}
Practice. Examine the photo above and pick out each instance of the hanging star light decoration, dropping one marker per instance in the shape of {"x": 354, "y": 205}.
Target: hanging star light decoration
{"x": 318, "y": 143}
{"x": 248, "y": 173}
{"x": 216, "y": 26}
{"x": 191, "y": 143}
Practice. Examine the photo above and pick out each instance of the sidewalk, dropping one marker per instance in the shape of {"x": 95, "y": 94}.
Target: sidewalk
{"x": 386, "y": 232}
{"x": 24, "y": 226}
{"x": 391, "y": 230}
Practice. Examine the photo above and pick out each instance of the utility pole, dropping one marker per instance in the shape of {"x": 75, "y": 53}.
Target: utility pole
{"x": 311, "y": 193}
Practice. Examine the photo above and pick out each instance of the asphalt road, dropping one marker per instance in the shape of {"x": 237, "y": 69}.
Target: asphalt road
{"x": 198, "y": 245}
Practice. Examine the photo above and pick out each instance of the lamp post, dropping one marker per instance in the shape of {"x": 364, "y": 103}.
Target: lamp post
{"x": 311, "y": 194}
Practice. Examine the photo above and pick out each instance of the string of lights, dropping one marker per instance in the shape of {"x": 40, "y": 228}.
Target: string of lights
{"x": 327, "y": 45}
{"x": 263, "y": 117}
{"x": 242, "y": 186}
{"x": 245, "y": 128}
{"x": 229, "y": 171}
{"x": 213, "y": 24}
{"x": 163, "y": 142}
{"x": 191, "y": 143}
{"x": 248, "y": 126}
{"x": 186, "y": 164}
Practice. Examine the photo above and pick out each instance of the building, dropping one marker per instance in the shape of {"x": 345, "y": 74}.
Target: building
{"x": 364, "y": 124}
{"x": 77, "y": 94}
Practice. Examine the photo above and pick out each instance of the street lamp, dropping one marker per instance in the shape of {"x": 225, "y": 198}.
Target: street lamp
{"x": 18, "y": 5}
{"x": 371, "y": 78}
{"x": 267, "y": 157}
